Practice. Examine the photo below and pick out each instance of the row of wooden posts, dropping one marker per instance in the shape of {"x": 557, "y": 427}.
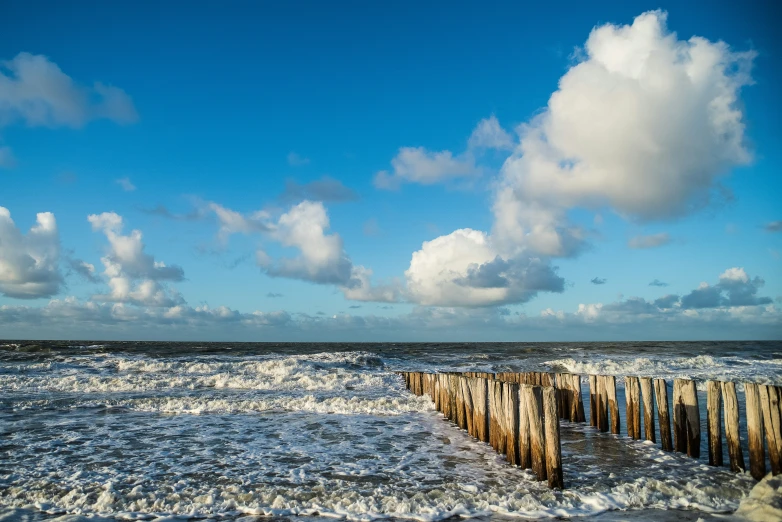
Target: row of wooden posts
{"x": 517, "y": 413}
{"x": 519, "y": 419}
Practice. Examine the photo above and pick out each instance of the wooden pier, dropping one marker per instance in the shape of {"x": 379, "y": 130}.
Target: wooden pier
{"x": 519, "y": 414}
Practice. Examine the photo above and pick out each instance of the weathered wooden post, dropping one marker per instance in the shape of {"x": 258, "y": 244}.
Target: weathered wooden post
{"x": 686, "y": 418}
{"x": 577, "y": 412}
{"x": 732, "y": 426}
{"x": 613, "y": 404}
{"x": 553, "y": 447}
{"x": 772, "y": 422}
{"x": 714, "y": 422}
{"x": 453, "y": 389}
{"x": 480, "y": 402}
{"x": 464, "y": 383}
{"x": 663, "y": 416}
{"x": 592, "y": 400}
{"x": 496, "y": 431}
{"x": 534, "y": 402}
{"x": 632, "y": 407}
{"x": 510, "y": 399}
{"x": 602, "y": 403}
{"x": 648, "y": 401}
{"x": 757, "y": 457}
{"x": 565, "y": 394}
{"x": 525, "y": 458}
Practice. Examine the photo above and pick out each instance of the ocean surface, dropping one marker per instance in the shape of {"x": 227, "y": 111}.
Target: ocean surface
{"x": 224, "y": 431}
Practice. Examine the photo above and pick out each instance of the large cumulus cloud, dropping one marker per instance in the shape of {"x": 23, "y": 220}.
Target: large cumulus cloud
{"x": 644, "y": 124}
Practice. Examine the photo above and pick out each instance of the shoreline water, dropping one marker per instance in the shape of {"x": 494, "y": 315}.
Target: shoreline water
{"x": 327, "y": 428}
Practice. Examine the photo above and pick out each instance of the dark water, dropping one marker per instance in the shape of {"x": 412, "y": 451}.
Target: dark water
{"x": 226, "y": 430}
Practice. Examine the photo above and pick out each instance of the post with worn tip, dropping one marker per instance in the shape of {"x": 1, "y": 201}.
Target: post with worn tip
{"x": 534, "y": 402}
{"x": 553, "y": 448}
{"x": 757, "y": 456}
{"x": 648, "y": 402}
{"x": 510, "y": 399}
{"x": 663, "y": 413}
{"x": 731, "y": 409}
{"x": 772, "y": 423}
{"x": 714, "y": 422}
{"x": 592, "y": 400}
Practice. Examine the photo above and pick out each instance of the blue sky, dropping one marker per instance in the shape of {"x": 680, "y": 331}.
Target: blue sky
{"x": 345, "y": 172}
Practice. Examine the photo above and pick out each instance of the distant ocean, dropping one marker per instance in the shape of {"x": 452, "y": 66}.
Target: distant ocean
{"x": 224, "y": 431}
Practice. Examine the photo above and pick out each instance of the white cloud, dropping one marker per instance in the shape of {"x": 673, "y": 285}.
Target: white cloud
{"x": 35, "y": 90}
{"x": 126, "y": 184}
{"x": 418, "y": 165}
{"x": 734, "y": 289}
{"x": 488, "y": 134}
{"x": 322, "y": 258}
{"x": 465, "y": 269}
{"x": 133, "y": 276}
{"x": 29, "y": 264}
{"x": 233, "y": 222}
{"x": 651, "y": 241}
{"x": 645, "y": 123}
{"x": 361, "y": 288}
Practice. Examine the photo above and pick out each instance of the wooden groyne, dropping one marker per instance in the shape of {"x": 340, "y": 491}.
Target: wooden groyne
{"x": 519, "y": 414}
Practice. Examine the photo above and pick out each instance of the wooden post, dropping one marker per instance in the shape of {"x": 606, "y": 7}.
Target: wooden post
{"x": 686, "y": 418}
{"x": 613, "y": 404}
{"x": 593, "y": 400}
{"x": 534, "y": 402}
{"x": 565, "y": 394}
{"x": 510, "y": 399}
{"x": 663, "y": 416}
{"x": 553, "y": 447}
{"x": 714, "y": 422}
{"x": 633, "y": 407}
{"x": 732, "y": 426}
{"x": 602, "y": 385}
{"x": 577, "y": 414}
{"x": 453, "y": 389}
{"x": 757, "y": 457}
{"x": 525, "y": 458}
{"x": 446, "y": 397}
{"x": 480, "y": 403}
{"x": 679, "y": 418}
{"x": 496, "y": 430}
{"x": 648, "y": 401}
{"x": 464, "y": 383}
{"x": 772, "y": 422}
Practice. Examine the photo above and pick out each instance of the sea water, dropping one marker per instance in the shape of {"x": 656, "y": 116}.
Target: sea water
{"x": 224, "y": 431}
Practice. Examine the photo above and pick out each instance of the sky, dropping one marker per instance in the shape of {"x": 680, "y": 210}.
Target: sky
{"x": 311, "y": 171}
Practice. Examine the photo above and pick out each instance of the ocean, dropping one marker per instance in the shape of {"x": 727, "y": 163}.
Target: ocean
{"x": 307, "y": 431}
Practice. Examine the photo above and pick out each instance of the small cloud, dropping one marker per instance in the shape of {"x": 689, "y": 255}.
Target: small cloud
{"x": 774, "y": 226}
{"x": 324, "y": 189}
{"x": 657, "y": 282}
{"x": 598, "y": 219}
{"x": 162, "y": 211}
{"x": 371, "y": 228}
{"x": 320, "y": 313}
{"x": 598, "y": 281}
{"x": 386, "y": 307}
{"x": 354, "y": 306}
{"x": 295, "y": 160}
{"x": 652, "y": 241}
{"x": 272, "y": 295}
{"x": 126, "y": 185}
